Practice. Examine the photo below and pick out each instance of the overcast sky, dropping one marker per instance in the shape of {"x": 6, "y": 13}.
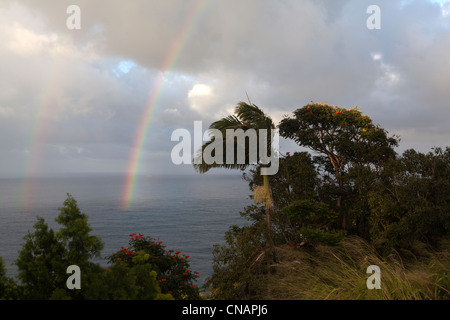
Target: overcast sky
{"x": 71, "y": 100}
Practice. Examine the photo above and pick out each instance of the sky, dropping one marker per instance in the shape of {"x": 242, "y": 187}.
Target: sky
{"x": 105, "y": 98}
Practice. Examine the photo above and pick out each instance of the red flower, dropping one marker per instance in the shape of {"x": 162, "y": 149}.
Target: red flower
{"x": 338, "y": 112}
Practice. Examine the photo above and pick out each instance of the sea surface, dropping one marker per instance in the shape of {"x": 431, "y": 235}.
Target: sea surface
{"x": 189, "y": 213}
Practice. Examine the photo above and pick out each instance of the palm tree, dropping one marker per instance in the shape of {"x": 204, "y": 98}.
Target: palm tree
{"x": 246, "y": 116}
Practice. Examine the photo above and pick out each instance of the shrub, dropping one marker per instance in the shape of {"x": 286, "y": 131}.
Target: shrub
{"x": 313, "y": 221}
{"x": 145, "y": 254}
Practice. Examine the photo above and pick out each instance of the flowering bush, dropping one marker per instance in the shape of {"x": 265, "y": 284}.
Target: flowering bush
{"x": 172, "y": 268}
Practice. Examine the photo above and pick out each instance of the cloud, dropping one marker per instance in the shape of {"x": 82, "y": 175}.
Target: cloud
{"x": 201, "y": 98}
{"x": 88, "y": 89}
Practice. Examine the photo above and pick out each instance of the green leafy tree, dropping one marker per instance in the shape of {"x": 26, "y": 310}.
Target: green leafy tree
{"x": 9, "y": 290}
{"x": 136, "y": 283}
{"x": 240, "y": 264}
{"x": 45, "y": 256}
{"x": 296, "y": 179}
{"x": 410, "y": 204}
{"x": 344, "y": 137}
{"x": 140, "y": 272}
{"x": 313, "y": 221}
{"x": 172, "y": 268}
{"x": 41, "y": 262}
{"x": 74, "y": 234}
{"x": 247, "y": 116}
{"x": 80, "y": 248}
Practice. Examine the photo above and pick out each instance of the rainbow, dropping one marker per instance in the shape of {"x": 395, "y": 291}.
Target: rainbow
{"x": 38, "y": 132}
{"x": 142, "y": 132}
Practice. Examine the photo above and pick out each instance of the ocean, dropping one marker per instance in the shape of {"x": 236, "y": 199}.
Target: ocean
{"x": 188, "y": 213}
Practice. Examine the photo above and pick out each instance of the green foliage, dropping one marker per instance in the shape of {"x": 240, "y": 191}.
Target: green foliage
{"x": 172, "y": 269}
{"x": 45, "y": 256}
{"x": 297, "y": 179}
{"x": 239, "y": 264}
{"x": 410, "y": 205}
{"x": 355, "y": 185}
{"x": 9, "y": 290}
{"x": 247, "y": 116}
{"x": 321, "y": 236}
{"x": 42, "y": 262}
{"x": 343, "y": 138}
{"x": 313, "y": 221}
{"x": 133, "y": 283}
{"x": 74, "y": 234}
{"x": 343, "y": 135}
{"x": 338, "y": 272}
{"x": 308, "y": 213}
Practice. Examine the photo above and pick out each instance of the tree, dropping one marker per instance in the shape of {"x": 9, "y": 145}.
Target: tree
{"x": 313, "y": 221}
{"x": 80, "y": 248}
{"x": 45, "y": 256}
{"x": 9, "y": 290}
{"x": 41, "y": 262}
{"x": 410, "y": 204}
{"x": 138, "y": 282}
{"x": 344, "y": 137}
{"x": 142, "y": 271}
{"x": 238, "y": 265}
{"x": 74, "y": 233}
{"x": 145, "y": 255}
{"x": 247, "y": 116}
{"x": 296, "y": 179}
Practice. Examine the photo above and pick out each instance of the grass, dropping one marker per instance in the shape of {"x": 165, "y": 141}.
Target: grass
{"x": 339, "y": 273}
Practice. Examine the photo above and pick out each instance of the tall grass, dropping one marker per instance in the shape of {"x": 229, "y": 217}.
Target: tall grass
{"x": 339, "y": 273}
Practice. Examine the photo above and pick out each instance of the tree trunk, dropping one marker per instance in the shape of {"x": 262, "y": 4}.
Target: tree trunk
{"x": 339, "y": 199}
{"x": 268, "y": 200}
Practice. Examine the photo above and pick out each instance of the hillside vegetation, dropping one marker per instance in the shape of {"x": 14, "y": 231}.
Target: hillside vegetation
{"x": 329, "y": 214}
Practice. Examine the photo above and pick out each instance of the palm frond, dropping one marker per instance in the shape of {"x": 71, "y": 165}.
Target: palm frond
{"x": 229, "y": 122}
{"x": 253, "y": 116}
{"x": 246, "y": 117}
{"x": 202, "y": 167}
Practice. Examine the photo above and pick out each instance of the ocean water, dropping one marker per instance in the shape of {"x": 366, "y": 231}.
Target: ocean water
{"x": 189, "y": 213}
